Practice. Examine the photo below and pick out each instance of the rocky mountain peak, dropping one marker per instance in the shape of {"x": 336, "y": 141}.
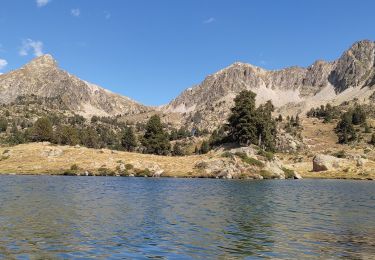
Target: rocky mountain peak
{"x": 43, "y": 78}
{"x": 291, "y": 89}
{"x": 43, "y": 61}
{"x": 355, "y": 68}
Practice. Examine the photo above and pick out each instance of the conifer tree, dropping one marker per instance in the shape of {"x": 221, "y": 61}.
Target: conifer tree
{"x": 129, "y": 140}
{"x": 248, "y": 125}
{"x": 177, "y": 150}
{"x": 205, "y": 147}
{"x": 42, "y": 130}
{"x": 3, "y": 124}
{"x": 156, "y": 140}
{"x": 67, "y": 135}
{"x": 345, "y": 130}
{"x": 242, "y": 120}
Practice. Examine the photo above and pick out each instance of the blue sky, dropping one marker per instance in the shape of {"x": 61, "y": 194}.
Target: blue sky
{"x": 152, "y": 50}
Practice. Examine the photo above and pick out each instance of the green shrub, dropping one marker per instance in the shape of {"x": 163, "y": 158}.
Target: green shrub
{"x": 143, "y": 172}
{"x": 266, "y": 174}
{"x": 129, "y": 166}
{"x": 74, "y": 167}
{"x": 340, "y": 154}
{"x": 227, "y": 154}
{"x": 249, "y": 160}
{"x": 105, "y": 171}
{"x": 269, "y": 155}
{"x": 289, "y": 174}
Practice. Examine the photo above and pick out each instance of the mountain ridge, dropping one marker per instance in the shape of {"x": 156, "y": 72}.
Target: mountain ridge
{"x": 42, "y": 77}
{"x": 292, "y": 90}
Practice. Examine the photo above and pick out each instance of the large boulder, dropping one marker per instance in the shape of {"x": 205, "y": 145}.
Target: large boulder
{"x": 248, "y": 150}
{"x": 297, "y": 176}
{"x": 275, "y": 168}
{"x": 154, "y": 168}
{"x": 220, "y": 168}
{"x": 322, "y": 162}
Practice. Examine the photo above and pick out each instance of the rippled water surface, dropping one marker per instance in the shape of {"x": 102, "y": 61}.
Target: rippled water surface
{"x": 50, "y": 217}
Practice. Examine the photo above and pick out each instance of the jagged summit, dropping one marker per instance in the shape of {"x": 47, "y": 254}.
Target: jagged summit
{"x": 293, "y": 88}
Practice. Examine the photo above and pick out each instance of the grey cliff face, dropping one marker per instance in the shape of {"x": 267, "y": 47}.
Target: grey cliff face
{"x": 356, "y": 67}
{"x": 42, "y": 77}
{"x": 209, "y": 103}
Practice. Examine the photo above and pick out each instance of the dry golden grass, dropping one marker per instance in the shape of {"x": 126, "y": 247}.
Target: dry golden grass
{"x": 321, "y": 138}
{"x": 29, "y": 159}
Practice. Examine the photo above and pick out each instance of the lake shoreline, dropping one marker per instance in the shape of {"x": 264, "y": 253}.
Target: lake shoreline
{"x": 179, "y": 177}
{"x": 46, "y": 159}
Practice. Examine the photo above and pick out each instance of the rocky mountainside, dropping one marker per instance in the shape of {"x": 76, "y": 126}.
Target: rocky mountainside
{"x": 292, "y": 90}
{"x": 42, "y": 77}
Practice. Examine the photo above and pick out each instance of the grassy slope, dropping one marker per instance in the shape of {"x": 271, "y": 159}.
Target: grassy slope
{"x": 29, "y": 159}
{"x": 321, "y": 138}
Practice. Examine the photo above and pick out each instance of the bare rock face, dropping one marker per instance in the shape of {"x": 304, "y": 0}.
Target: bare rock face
{"x": 323, "y": 162}
{"x": 42, "y": 77}
{"x": 356, "y": 67}
{"x": 208, "y": 104}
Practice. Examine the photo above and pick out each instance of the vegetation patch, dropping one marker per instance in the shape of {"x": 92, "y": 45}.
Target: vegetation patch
{"x": 289, "y": 174}
{"x": 268, "y": 155}
{"x": 340, "y": 154}
{"x": 266, "y": 174}
{"x": 249, "y": 160}
{"x": 104, "y": 171}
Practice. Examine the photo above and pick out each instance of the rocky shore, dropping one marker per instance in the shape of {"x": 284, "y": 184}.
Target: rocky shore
{"x": 223, "y": 163}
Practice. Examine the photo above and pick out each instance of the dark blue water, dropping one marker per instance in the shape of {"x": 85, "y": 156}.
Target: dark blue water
{"x": 50, "y": 217}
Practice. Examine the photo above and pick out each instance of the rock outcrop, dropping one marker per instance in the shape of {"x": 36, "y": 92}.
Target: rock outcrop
{"x": 241, "y": 163}
{"x": 322, "y": 162}
{"x": 292, "y": 90}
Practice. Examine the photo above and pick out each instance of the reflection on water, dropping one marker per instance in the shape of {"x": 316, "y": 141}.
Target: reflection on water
{"x": 78, "y": 217}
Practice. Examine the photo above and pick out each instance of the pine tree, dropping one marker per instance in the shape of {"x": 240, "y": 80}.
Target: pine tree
{"x": 205, "y": 147}
{"x": 129, "y": 140}
{"x": 89, "y": 137}
{"x": 42, "y": 130}
{"x": 345, "y": 130}
{"x": 266, "y": 127}
{"x": 241, "y": 121}
{"x": 67, "y": 135}
{"x": 280, "y": 118}
{"x": 156, "y": 140}
{"x": 358, "y": 115}
{"x": 3, "y": 124}
{"x": 177, "y": 150}
{"x": 248, "y": 125}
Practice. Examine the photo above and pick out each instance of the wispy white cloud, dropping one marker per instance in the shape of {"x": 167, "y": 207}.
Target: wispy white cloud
{"x": 75, "y": 12}
{"x": 41, "y": 3}
{"x": 36, "y": 47}
{"x": 3, "y": 64}
{"x": 209, "y": 20}
{"x": 107, "y": 15}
